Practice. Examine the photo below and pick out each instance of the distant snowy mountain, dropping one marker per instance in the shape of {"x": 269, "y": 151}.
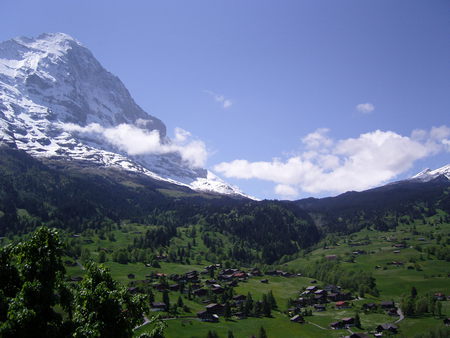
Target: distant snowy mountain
{"x": 428, "y": 174}
{"x": 51, "y": 82}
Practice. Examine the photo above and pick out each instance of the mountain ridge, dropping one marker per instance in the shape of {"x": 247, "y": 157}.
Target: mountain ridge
{"x": 51, "y": 83}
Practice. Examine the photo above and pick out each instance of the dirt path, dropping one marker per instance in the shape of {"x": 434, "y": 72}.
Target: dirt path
{"x": 320, "y": 327}
{"x": 400, "y": 313}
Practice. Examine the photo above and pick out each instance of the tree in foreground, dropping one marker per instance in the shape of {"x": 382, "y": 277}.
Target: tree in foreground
{"x": 30, "y": 273}
{"x": 104, "y": 308}
{"x": 32, "y": 285}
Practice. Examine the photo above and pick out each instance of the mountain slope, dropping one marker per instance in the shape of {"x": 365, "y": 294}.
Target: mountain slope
{"x": 381, "y": 206}
{"x": 58, "y": 102}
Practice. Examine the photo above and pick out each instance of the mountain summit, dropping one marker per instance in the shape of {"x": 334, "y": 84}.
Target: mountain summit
{"x": 58, "y": 102}
{"x": 428, "y": 174}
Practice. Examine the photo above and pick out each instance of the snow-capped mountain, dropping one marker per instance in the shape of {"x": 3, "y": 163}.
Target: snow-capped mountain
{"x": 55, "y": 97}
{"x": 428, "y": 174}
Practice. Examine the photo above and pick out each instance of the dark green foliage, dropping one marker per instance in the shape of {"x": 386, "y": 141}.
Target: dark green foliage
{"x": 32, "y": 271}
{"x": 262, "y": 333}
{"x": 357, "y": 320}
{"x": 212, "y": 334}
{"x": 72, "y": 196}
{"x": 437, "y": 332}
{"x": 331, "y": 272}
{"x": 32, "y": 285}
{"x": 104, "y": 308}
{"x": 166, "y": 300}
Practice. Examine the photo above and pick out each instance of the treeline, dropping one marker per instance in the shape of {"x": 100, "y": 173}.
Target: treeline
{"x": 273, "y": 229}
{"x": 76, "y": 198}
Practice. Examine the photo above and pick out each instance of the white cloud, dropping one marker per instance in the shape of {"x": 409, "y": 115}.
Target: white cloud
{"x": 285, "y": 190}
{"x": 365, "y": 108}
{"x": 136, "y": 141}
{"x": 226, "y": 103}
{"x": 317, "y": 139}
{"x": 327, "y": 165}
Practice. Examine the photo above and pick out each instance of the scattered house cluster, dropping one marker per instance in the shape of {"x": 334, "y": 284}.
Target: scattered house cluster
{"x": 318, "y": 297}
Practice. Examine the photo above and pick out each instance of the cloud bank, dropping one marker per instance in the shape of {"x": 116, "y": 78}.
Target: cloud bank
{"x": 327, "y": 165}
{"x": 135, "y": 140}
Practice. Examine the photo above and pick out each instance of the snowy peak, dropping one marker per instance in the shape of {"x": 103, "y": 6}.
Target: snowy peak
{"x": 65, "y": 82}
{"x": 428, "y": 175}
{"x": 57, "y": 101}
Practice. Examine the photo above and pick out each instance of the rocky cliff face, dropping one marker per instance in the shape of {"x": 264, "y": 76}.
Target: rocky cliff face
{"x": 57, "y": 101}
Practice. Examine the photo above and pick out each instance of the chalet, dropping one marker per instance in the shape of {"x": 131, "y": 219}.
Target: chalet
{"x": 342, "y": 305}
{"x": 215, "y": 308}
{"x": 446, "y": 321}
{"x": 312, "y": 288}
{"x": 200, "y": 292}
{"x": 369, "y": 306}
{"x": 160, "y": 274}
{"x": 255, "y": 272}
{"x": 240, "y": 274}
{"x": 206, "y": 316}
{"x": 333, "y": 297}
{"x": 337, "y": 325}
{"x": 319, "y": 307}
{"x": 158, "y": 306}
{"x": 387, "y": 305}
{"x": 265, "y": 281}
{"x": 332, "y": 288}
{"x": 174, "y": 287}
{"x": 439, "y": 296}
{"x": 159, "y": 286}
{"x": 239, "y": 298}
{"x": 392, "y": 312}
{"x": 387, "y": 327}
{"x": 228, "y": 271}
{"x": 331, "y": 257}
{"x": 321, "y": 299}
{"x": 358, "y": 335}
{"x": 297, "y": 319}
{"x": 218, "y": 290}
{"x": 399, "y": 246}
{"x": 212, "y": 281}
{"x": 233, "y": 283}
{"x": 320, "y": 292}
{"x": 313, "y": 281}
{"x": 348, "y": 322}
{"x": 396, "y": 251}
{"x": 300, "y": 302}
{"x": 131, "y": 276}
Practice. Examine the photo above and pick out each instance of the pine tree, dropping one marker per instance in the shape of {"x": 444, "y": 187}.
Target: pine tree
{"x": 413, "y": 292}
{"x": 262, "y": 333}
{"x": 166, "y": 299}
{"x": 357, "y": 320}
{"x": 272, "y": 300}
{"x": 180, "y": 302}
{"x": 227, "y": 310}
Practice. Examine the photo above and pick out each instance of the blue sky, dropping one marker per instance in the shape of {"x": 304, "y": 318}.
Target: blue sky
{"x": 264, "y": 80}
